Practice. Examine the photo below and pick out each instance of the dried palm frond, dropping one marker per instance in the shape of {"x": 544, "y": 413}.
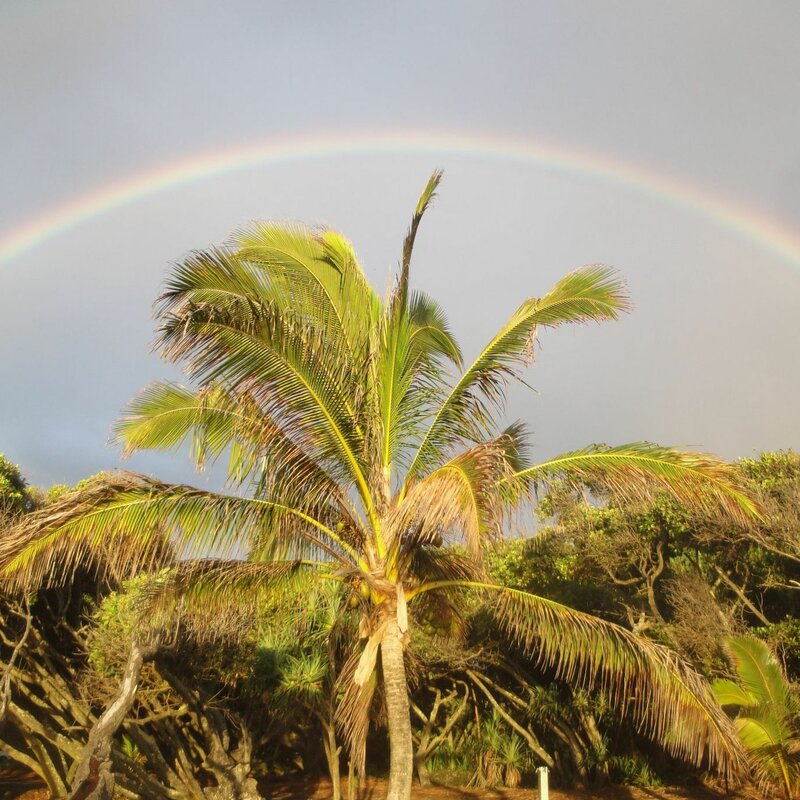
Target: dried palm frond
{"x": 353, "y": 712}
{"x": 222, "y": 599}
{"x": 127, "y": 522}
{"x": 464, "y": 497}
{"x": 42, "y": 549}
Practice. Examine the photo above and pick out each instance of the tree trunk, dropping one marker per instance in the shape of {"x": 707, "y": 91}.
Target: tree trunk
{"x": 401, "y": 749}
{"x": 332, "y": 753}
{"x": 423, "y": 773}
{"x": 351, "y": 781}
{"x": 93, "y": 778}
{"x": 229, "y": 766}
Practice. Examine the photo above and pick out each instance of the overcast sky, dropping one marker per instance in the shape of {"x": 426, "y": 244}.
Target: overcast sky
{"x": 705, "y": 94}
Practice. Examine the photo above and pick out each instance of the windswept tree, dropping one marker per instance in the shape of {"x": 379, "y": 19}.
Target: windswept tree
{"x": 359, "y": 444}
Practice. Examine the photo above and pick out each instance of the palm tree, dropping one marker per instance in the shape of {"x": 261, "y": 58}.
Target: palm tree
{"x": 768, "y": 713}
{"x": 359, "y": 445}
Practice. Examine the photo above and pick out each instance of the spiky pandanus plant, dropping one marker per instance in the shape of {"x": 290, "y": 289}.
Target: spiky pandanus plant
{"x": 360, "y": 443}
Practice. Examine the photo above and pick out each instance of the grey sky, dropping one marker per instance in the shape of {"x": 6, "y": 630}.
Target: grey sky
{"x": 91, "y": 92}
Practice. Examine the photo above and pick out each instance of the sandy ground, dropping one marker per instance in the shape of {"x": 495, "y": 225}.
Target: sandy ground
{"x": 22, "y": 787}
{"x": 375, "y": 790}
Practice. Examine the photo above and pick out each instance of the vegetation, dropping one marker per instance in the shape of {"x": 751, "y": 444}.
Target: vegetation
{"x": 768, "y": 713}
{"x": 370, "y": 474}
{"x": 15, "y": 496}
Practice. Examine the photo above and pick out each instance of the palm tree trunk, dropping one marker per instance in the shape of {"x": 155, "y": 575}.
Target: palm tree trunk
{"x": 401, "y": 749}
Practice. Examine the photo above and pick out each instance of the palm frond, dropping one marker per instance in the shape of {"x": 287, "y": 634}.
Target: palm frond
{"x": 276, "y": 339}
{"x": 670, "y": 702}
{"x": 353, "y": 711}
{"x": 415, "y": 345}
{"x": 422, "y": 346}
{"x": 214, "y": 282}
{"x": 666, "y": 698}
{"x": 224, "y": 598}
{"x": 431, "y": 563}
{"x": 759, "y": 672}
{"x": 394, "y": 375}
{"x": 316, "y": 275}
{"x": 43, "y": 548}
{"x": 773, "y": 752}
{"x": 165, "y": 416}
{"x": 767, "y": 739}
{"x": 467, "y": 412}
{"x": 729, "y": 693}
{"x": 431, "y": 336}
{"x": 425, "y": 199}
{"x": 214, "y": 421}
{"x": 304, "y": 384}
{"x": 127, "y": 522}
{"x": 401, "y": 353}
{"x": 766, "y": 709}
{"x": 463, "y": 498}
{"x": 638, "y": 469}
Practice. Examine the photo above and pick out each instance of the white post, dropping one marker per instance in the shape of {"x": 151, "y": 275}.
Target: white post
{"x": 544, "y": 791}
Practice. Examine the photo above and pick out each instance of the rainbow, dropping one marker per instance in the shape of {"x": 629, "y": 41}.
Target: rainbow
{"x": 744, "y": 222}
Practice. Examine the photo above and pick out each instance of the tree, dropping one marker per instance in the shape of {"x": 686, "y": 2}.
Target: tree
{"x": 359, "y": 443}
{"x": 674, "y": 574}
{"x": 768, "y": 713}
{"x": 297, "y": 664}
{"x": 15, "y": 497}
{"x": 69, "y": 661}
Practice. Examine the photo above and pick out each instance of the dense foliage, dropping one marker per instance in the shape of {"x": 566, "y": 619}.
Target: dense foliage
{"x": 480, "y": 715}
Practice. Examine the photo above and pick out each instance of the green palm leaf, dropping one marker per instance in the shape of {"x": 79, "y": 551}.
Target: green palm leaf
{"x": 425, "y": 199}
{"x": 314, "y": 274}
{"x": 668, "y": 700}
{"x": 766, "y": 713}
{"x": 766, "y": 739}
{"x": 591, "y": 294}
{"x": 759, "y": 672}
{"x": 729, "y": 693}
{"x": 412, "y": 335}
{"x": 639, "y": 468}
{"x": 279, "y": 347}
{"x": 278, "y": 366}
{"x": 430, "y": 335}
{"x": 166, "y": 415}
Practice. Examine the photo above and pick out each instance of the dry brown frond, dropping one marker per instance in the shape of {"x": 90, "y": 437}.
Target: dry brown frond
{"x": 463, "y": 499}
{"x": 353, "y": 712}
{"x": 220, "y": 599}
{"x": 33, "y": 553}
